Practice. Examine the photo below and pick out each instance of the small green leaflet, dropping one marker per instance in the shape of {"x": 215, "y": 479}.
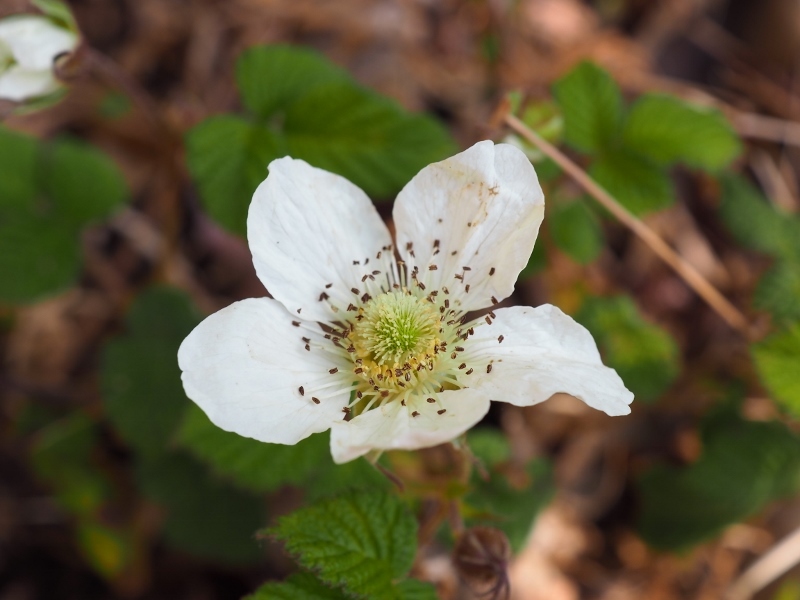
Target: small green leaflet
{"x": 744, "y": 465}
{"x": 49, "y": 192}
{"x": 204, "y": 517}
{"x": 363, "y": 541}
{"x": 777, "y": 359}
{"x": 575, "y": 229}
{"x": 757, "y": 225}
{"x": 645, "y": 356}
{"x": 304, "y": 586}
{"x": 668, "y": 131}
{"x": 140, "y": 378}
{"x": 303, "y": 106}
{"x": 262, "y": 467}
{"x": 631, "y": 150}
{"x": 592, "y": 107}
{"x": 638, "y": 184}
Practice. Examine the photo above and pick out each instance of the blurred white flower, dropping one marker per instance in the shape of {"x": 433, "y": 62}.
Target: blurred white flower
{"x": 29, "y": 44}
{"x": 379, "y": 349}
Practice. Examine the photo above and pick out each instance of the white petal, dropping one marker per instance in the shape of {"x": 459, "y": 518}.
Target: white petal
{"x": 391, "y": 427}
{"x": 35, "y": 41}
{"x": 243, "y": 366}
{"x": 19, "y": 83}
{"x": 484, "y": 206}
{"x": 306, "y": 227}
{"x": 543, "y": 352}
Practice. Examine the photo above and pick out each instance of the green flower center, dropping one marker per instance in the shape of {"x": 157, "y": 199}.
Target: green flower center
{"x": 396, "y": 328}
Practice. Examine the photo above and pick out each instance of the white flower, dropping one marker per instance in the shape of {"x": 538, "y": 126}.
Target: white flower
{"x": 377, "y": 349}
{"x": 28, "y": 46}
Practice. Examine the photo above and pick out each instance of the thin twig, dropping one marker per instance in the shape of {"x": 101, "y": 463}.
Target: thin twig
{"x": 729, "y": 313}
{"x": 780, "y": 558}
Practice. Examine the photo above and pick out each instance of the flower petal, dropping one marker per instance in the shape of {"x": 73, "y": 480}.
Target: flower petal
{"x": 35, "y": 41}
{"x": 480, "y": 209}
{"x": 306, "y": 228}
{"x": 19, "y": 83}
{"x": 244, "y": 365}
{"x": 542, "y": 352}
{"x": 392, "y": 426}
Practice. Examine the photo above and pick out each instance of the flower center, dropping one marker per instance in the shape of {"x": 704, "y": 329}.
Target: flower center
{"x": 396, "y": 328}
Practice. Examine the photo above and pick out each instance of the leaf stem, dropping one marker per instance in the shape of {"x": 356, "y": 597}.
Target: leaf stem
{"x": 727, "y": 311}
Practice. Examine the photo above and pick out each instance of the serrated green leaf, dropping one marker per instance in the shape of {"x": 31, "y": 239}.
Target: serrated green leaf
{"x": 413, "y": 589}
{"x": 301, "y": 586}
{"x": 744, "y": 465}
{"x": 363, "y": 136}
{"x": 362, "y": 541}
{"x": 576, "y": 230}
{"x": 228, "y": 157}
{"x": 204, "y": 517}
{"x": 309, "y": 109}
{"x": 748, "y": 215}
{"x": 271, "y": 78}
{"x": 251, "y": 464}
{"x": 639, "y": 185}
{"x": 668, "y": 130}
{"x": 510, "y": 508}
{"x": 592, "y": 106}
{"x": 81, "y": 182}
{"x": 777, "y": 359}
{"x": 48, "y": 194}
{"x": 261, "y": 467}
{"x": 140, "y": 378}
{"x": 644, "y": 355}
{"x": 778, "y": 291}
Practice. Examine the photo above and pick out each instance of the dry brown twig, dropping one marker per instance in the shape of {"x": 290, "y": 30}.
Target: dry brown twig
{"x": 778, "y": 560}
{"x": 727, "y": 311}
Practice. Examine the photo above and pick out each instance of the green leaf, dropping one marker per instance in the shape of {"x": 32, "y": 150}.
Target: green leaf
{"x": 261, "y": 467}
{"x": 228, "y": 157}
{"x": 362, "y": 136}
{"x": 779, "y": 290}
{"x": 271, "y": 78}
{"x": 301, "y": 586}
{"x": 744, "y": 465}
{"x": 140, "y": 379}
{"x": 754, "y": 223}
{"x": 668, "y": 130}
{"x": 61, "y": 457}
{"x": 203, "y": 516}
{"x": 48, "y": 194}
{"x": 777, "y": 358}
{"x": 310, "y": 109}
{"x": 18, "y": 165}
{"x": 592, "y": 106}
{"x": 81, "y": 182}
{"x": 639, "y": 185}
{"x": 645, "y": 356}
{"x": 361, "y": 541}
{"x": 249, "y": 463}
{"x": 576, "y": 230}
{"x": 413, "y": 589}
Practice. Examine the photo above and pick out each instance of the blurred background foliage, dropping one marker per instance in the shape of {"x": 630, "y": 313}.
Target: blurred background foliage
{"x": 122, "y": 217}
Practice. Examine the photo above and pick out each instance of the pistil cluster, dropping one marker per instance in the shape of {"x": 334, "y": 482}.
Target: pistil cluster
{"x": 405, "y": 340}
